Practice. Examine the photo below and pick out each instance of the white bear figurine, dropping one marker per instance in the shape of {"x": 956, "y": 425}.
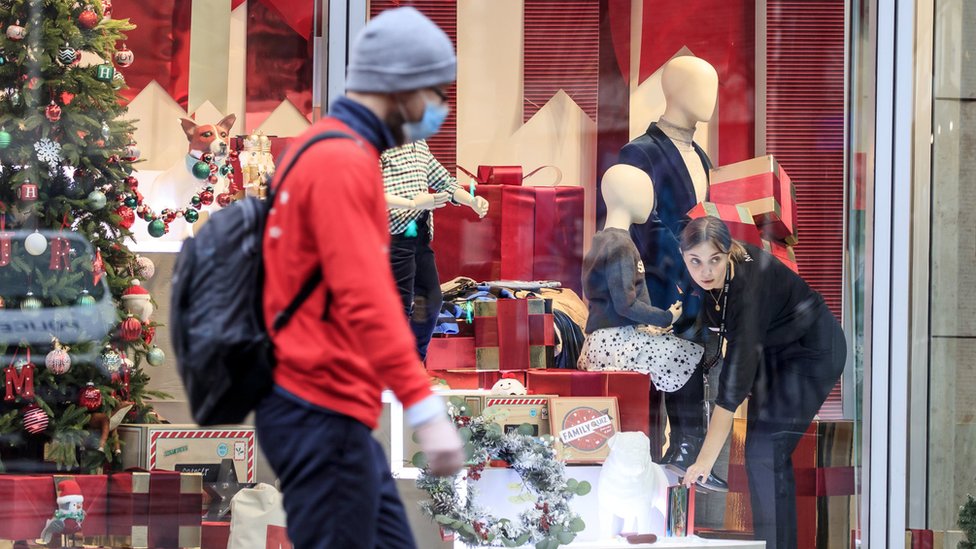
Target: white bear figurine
{"x": 632, "y": 489}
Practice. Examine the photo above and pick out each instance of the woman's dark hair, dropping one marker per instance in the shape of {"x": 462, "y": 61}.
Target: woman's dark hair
{"x": 713, "y": 230}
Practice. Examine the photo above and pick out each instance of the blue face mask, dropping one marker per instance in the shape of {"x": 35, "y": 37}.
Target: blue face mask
{"x": 428, "y": 125}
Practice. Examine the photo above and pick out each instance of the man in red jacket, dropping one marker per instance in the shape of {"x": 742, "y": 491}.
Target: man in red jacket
{"x": 350, "y": 340}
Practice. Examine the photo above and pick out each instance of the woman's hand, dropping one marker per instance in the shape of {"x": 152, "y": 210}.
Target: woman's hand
{"x": 698, "y": 471}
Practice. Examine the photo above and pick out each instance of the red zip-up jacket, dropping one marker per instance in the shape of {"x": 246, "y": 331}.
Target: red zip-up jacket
{"x": 330, "y": 214}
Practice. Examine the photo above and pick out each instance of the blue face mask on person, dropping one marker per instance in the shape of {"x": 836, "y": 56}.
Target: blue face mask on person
{"x": 429, "y": 124}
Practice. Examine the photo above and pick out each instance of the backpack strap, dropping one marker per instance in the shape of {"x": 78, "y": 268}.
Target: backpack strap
{"x": 283, "y": 317}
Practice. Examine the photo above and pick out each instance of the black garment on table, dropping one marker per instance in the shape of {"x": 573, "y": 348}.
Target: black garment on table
{"x": 571, "y": 336}
{"x": 416, "y": 278}
{"x": 615, "y": 286}
{"x": 657, "y": 239}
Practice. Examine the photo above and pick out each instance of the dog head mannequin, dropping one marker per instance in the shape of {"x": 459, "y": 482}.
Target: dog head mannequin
{"x": 174, "y": 187}
{"x": 212, "y": 138}
{"x": 632, "y": 489}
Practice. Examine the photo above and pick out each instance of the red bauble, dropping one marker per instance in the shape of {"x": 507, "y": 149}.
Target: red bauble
{"x": 35, "y": 419}
{"x": 128, "y": 216}
{"x": 53, "y": 112}
{"x": 88, "y": 18}
{"x": 224, "y": 199}
{"x": 206, "y": 198}
{"x": 91, "y": 397}
{"x": 131, "y": 329}
{"x": 132, "y": 182}
{"x": 148, "y": 333}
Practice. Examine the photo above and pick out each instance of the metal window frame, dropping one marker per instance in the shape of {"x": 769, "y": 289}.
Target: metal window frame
{"x": 889, "y": 256}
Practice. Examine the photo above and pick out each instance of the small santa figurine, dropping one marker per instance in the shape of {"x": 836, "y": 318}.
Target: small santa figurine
{"x": 70, "y": 514}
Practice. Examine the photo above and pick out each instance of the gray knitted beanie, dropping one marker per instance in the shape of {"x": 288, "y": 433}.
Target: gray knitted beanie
{"x": 400, "y": 50}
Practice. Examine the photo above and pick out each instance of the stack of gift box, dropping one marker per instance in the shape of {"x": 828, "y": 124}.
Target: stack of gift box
{"x": 132, "y": 509}
{"x": 513, "y": 340}
{"x": 826, "y": 484}
{"x": 757, "y": 201}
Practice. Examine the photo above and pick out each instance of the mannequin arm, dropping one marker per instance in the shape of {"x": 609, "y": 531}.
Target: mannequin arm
{"x": 623, "y": 292}
{"x": 394, "y": 202}
{"x": 477, "y": 203}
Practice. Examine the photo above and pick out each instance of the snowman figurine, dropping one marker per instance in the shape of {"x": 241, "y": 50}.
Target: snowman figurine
{"x": 508, "y": 385}
{"x": 70, "y": 514}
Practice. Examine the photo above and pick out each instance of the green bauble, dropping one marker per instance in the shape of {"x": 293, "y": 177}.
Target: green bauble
{"x": 196, "y": 200}
{"x": 85, "y": 299}
{"x": 31, "y": 303}
{"x": 201, "y": 170}
{"x": 226, "y": 169}
{"x": 5, "y": 139}
{"x": 131, "y": 201}
{"x": 155, "y": 356}
{"x": 157, "y": 228}
{"x": 191, "y": 216}
{"x": 96, "y": 199}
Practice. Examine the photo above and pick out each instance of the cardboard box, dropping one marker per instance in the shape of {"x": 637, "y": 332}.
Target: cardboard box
{"x": 451, "y": 353}
{"x": 530, "y": 233}
{"x": 158, "y": 509}
{"x": 633, "y": 391}
{"x": 737, "y": 218}
{"x": 825, "y": 484}
{"x": 164, "y": 446}
{"x": 514, "y": 334}
{"x": 28, "y": 501}
{"x": 782, "y": 252}
{"x": 763, "y": 186}
{"x": 582, "y": 426}
{"x": 475, "y": 379}
{"x": 517, "y": 410}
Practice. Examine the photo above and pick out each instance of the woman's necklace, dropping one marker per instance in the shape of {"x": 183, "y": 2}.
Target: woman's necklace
{"x": 717, "y": 299}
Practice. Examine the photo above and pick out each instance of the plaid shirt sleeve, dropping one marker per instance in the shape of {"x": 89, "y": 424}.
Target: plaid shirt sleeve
{"x": 438, "y": 177}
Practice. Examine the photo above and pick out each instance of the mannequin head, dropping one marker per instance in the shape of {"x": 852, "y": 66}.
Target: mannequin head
{"x": 629, "y": 195}
{"x": 690, "y": 87}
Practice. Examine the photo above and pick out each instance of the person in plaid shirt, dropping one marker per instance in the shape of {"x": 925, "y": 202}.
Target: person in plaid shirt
{"x": 409, "y": 173}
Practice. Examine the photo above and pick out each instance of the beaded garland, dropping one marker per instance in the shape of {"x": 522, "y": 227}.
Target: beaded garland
{"x": 159, "y": 222}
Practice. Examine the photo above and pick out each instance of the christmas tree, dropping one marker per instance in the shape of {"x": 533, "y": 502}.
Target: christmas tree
{"x": 74, "y": 322}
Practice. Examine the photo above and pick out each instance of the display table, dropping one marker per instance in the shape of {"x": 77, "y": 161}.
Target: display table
{"x": 494, "y": 488}
{"x": 691, "y": 542}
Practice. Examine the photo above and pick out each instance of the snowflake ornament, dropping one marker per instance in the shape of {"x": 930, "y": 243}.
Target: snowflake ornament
{"x": 48, "y": 152}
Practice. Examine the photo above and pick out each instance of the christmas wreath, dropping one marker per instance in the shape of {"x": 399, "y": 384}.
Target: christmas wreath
{"x": 548, "y": 523}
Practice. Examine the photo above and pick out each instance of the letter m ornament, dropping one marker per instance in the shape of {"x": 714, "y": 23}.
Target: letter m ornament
{"x": 19, "y": 383}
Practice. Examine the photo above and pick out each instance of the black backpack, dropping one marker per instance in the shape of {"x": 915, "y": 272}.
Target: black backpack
{"x": 224, "y": 354}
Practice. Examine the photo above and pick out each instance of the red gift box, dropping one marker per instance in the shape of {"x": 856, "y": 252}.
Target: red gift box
{"x": 737, "y": 218}
{"x": 514, "y": 334}
{"x": 825, "y": 483}
{"x": 28, "y": 501}
{"x": 450, "y": 353}
{"x": 631, "y": 389}
{"x": 215, "y": 535}
{"x": 159, "y": 509}
{"x": 783, "y": 253}
{"x": 506, "y": 175}
{"x": 762, "y": 186}
{"x": 530, "y": 233}
{"x": 473, "y": 379}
